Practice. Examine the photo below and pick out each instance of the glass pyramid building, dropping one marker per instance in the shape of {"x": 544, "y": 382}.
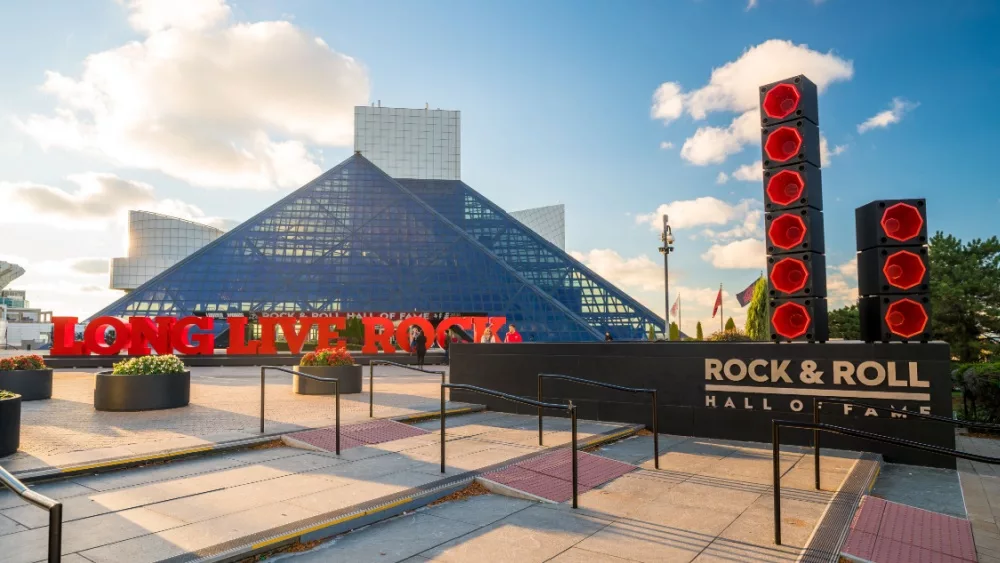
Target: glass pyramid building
{"x": 355, "y": 240}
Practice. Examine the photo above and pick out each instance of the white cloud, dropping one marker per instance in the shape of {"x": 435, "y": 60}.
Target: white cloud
{"x": 156, "y": 15}
{"x": 740, "y": 254}
{"x": 91, "y": 266}
{"x": 214, "y": 104}
{"x": 70, "y": 286}
{"x": 668, "y": 103}
{"x": 842, "y": 284}
{"x": 752, "y": 226}
{"x": 894, "y": 114}
{"x": 640, "y": 272}
{"x": 695, "y": 212}
{"x": 99, "y": 198}
{"x": 751, "y": 4}
{"x": 722, "y": 178}
{"x": 750, "y": 172}
{"x": 666, "y": 145}
{"x": 733, "y": 88}
{"x": 826, "y": 153}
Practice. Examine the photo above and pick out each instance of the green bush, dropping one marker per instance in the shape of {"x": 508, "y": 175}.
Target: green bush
{"x": 149, "y": 365}
{"x": 328, "y": 357}
{"x": 734, "y": 335}
{"x": 980, "y": 384}
{"x": 4, "y": 395}
{"x": 14, "y": 363}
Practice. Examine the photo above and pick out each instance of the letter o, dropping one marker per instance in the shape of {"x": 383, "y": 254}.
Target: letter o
{"x": 98, "y": 345}
{"x": 403, "y": 338}
{"x": 740, "y": 373}
{"x": 863, "y": 376}
{"x": 796, "y": 405}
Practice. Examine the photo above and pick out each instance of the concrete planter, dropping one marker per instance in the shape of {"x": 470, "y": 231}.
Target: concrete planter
{"x": 10, "y": 425}
{"x": 349, "y": 377}
{"x": 30, "y": 384}
{"x": 142, "y": 392}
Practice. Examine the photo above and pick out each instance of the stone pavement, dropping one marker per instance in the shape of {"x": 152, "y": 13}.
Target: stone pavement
{"x": 189, "y": 506}
{"x": 981, "y": 488}
{"x": 225, "y": 406}
{"x": 711, "y": 501}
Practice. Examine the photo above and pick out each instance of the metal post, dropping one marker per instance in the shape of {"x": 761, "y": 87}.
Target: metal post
{"x": 656, "y": 435}
{"x": 666, "y": 277}
{"x": 442, "y": 429}
{"x": 336, "y": 388}
{"x": 539, "y": 410}
{"x": 572, "y": 415}
{"x": 371, "y": 389}
{"x": 55, "y": 533}
{"x": 262, "y": 399}
{"x": 816, "y": 405}
{"x": 777, "y": 481}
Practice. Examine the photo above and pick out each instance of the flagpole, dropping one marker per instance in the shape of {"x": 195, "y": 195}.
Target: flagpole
{"x": 722, "y": 311}
{"x": 680, "y": 315}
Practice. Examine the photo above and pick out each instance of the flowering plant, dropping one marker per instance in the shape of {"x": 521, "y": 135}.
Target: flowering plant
{"x": 4, "y": 395}
{"x": 328, "y": 357}
{"x": 22, "y": 363}
{"x": 149, "y": 365}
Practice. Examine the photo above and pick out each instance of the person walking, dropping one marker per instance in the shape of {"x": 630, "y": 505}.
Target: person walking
{"x": 513, "y": 337}
{"x": 607, "y": 337}
{"x": 420, "y": 345}
{"x": 487, "y": 337}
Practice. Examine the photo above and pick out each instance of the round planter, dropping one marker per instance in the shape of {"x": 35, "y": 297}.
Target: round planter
{"x": 10, "y": 425}
{"x": 142, "y": 392}
{"x": 30, "y": 384}
{"x": 349, "y": 378}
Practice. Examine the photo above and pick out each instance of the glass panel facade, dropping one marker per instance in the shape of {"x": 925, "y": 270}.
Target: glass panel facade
{"x": 356, "y": 240}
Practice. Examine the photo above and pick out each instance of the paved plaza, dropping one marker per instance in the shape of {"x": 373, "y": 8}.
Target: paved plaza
{"x": 225, "y": 406}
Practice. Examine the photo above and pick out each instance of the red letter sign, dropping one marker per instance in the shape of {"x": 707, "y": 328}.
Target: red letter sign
{"x": 205, "y": 343}
{"x": 329, "y": 328}
{"x": 403, "y": 332}
{"x": 237, "y": 332}
{"x": 375, "y": 339}
{"x": 145, "y": 333}
{"x": 93, "y": 337}
{"x": 64, "y": 337}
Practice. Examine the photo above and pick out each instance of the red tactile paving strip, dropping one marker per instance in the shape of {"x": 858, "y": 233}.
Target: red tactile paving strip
{"x": 354, "y": 435}
{"x": 887, "y": 532}
{"x": 550, "y": 476}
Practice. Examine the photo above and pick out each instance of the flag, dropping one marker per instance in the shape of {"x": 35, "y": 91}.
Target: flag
{"x": 718, "y": 302}
{"x": 674, "y": 309}
{"x": 745, "y": 296}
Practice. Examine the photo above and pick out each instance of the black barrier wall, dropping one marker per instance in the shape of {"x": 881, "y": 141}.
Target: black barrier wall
{"x": 731, "y": 390}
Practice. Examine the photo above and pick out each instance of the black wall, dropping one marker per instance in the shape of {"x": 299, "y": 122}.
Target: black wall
{"x": 678, "y": 371}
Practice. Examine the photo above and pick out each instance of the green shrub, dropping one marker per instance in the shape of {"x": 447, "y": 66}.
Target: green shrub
{"x": 328, "y": 357}
{"x": 149, "y": 365}
{"x": 980, "y": 384}
{"x": 4, "y": 395}
{"x": 22, "y": 363}
{"x": 734, "y": 335}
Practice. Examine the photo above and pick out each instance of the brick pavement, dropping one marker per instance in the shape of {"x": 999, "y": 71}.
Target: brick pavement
{"x": 981, "y": 489}
{"x": 225, "y": 405}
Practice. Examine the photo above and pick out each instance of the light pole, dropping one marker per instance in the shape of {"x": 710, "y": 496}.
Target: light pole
{"x": 667, "y": 238}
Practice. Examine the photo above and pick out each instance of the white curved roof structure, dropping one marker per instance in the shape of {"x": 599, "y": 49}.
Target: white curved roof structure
{"x": 9, "y": 272}
{"x": 155, "y": 243}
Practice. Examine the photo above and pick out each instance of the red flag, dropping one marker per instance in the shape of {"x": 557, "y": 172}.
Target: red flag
{"x": 673, "y": 310}
{"x": 718, "y": 303}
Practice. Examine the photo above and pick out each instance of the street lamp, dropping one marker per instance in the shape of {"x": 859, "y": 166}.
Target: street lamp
{"x": 667, "y": 238}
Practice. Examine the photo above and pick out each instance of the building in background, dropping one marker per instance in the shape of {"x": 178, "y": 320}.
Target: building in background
{"x": 410, "y": 143}
{"x": 361, "y": 239}
{"x": 156, "y": 242}
{"x": 21, "y": 327}
{"x": 548, "y": 221}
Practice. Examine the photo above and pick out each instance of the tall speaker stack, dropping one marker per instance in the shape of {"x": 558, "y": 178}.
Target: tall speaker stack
{"x": 793, "y": 202}
{"x": 893, "y": 271}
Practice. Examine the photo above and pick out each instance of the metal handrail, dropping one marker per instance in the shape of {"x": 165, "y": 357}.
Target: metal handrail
{"x": 53, "y": 507}
{"x": 818, "y": 403}
{"x": 524, "y": 401}
{"x": 656, "y": 426}
{"x": 371, "y": 379}
{"x": 815, "y": 427}
{"x": 336, "y": 389}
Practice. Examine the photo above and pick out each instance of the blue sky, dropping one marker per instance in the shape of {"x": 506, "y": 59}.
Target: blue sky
{"x": 556, "y": 100}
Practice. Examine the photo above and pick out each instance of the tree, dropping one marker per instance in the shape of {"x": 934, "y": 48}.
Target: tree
{"x": 730, "y": 325}
{"x": 845, "y": 323}
{"x": 758, "y": 325}
{"x": 699, "y": 334}
{"x": 965, "y": 294}
{"x": 675, "y": 333}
